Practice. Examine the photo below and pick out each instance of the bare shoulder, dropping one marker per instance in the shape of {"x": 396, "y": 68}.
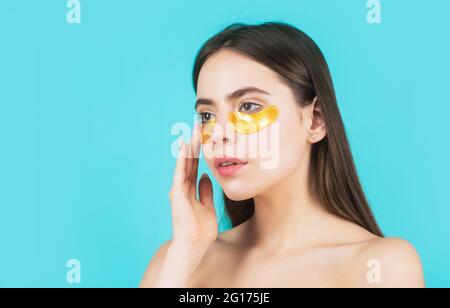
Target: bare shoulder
{"x": 155, "y": 265}
{"x": 387, "y": 262}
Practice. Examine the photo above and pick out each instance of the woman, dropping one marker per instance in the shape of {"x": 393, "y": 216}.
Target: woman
{"x": 302, "y": 220}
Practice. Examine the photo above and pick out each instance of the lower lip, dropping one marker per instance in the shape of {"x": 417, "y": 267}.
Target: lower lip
{"x": 229, "y": 170}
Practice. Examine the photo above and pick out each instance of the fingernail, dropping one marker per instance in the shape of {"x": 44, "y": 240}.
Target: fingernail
{"x": 204, "y": 176}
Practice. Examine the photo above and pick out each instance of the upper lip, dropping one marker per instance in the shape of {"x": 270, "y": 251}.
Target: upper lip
{"x": 219, "y": 161}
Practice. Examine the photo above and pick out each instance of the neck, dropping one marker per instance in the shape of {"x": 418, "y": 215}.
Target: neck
{"x": 286, "y": 213}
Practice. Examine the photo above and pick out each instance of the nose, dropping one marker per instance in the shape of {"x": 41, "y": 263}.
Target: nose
{"x": 223, "y": 135}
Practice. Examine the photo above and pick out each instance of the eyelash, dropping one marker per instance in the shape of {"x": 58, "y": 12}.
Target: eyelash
{"x": 202, "y": 114}
{"x": 250, "y": 103}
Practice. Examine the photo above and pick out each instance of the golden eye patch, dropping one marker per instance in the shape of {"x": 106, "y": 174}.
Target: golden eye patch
{"x": 207, "y": 130}
{"x": 244, "y": 123}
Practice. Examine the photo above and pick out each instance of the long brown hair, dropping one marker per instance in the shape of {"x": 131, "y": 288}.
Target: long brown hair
{"x": 301, "y": 65}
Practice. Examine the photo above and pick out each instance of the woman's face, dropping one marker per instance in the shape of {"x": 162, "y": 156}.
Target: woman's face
{"x": 229, "y": 82}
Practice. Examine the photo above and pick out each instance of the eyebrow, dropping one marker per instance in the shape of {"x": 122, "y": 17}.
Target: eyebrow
{"x": 232, "y": 96}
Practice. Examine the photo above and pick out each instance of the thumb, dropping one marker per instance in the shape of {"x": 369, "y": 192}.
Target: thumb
{"x": 205, "y": 191}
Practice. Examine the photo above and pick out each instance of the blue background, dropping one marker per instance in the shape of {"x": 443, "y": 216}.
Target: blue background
{"x": 86, "y": 112}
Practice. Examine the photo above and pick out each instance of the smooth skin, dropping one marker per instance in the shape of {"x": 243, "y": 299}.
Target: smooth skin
{"x": 291, "y": 240}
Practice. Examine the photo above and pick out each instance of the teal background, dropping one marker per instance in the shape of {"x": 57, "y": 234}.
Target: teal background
{"x": 86, "y": 113}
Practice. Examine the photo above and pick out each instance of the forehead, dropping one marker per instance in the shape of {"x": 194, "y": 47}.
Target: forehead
{"x": 227, "y": 70}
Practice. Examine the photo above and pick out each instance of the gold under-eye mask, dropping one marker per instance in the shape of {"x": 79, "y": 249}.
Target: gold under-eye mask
{"x": 244, "y": 123}
{"x": 207, "y": 130}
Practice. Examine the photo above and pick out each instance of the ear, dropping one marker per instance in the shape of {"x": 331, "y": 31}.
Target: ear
{"x": 316, "y": 130}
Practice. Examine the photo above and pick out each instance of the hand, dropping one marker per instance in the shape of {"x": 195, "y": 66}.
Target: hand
{"x": 194, "y": 219}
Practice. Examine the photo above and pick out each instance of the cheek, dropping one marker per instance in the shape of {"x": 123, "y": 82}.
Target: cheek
{"x": 286, "y": 146}
{"x": 292, "y": 142}
{"x": 284, "y": 140}
{"x": 208, "y": 155}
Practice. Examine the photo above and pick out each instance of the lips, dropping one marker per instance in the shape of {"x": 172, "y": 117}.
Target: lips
{"x": 228, "y": 166}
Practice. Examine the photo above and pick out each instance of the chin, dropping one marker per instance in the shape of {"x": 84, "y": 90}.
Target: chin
{"x": 237, "y": 191}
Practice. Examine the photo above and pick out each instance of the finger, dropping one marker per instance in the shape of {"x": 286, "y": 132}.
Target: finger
{"x": 197, "y": 140}
{"x": 206, "y": 192}
{"x": 194, "y": 161}
{"x": 180, "y": 167}
{"x": 196, "y": 153}
{"x": 194, "y": 145}
{"x": 190, "y": 160}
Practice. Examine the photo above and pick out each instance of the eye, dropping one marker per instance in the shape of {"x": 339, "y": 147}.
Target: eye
{"x": 249, "y": 107}
{"x": 205, "y": 117}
